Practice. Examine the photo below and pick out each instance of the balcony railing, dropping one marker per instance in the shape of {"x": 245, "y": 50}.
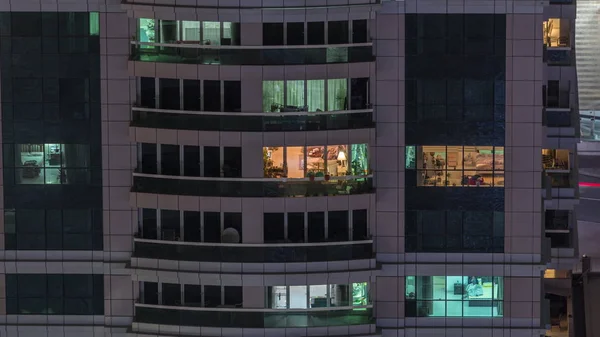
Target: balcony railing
{"x": 557, "y": 220}
{"x": 251, "y": 55}
{"x": 560, "y": 180}
{"x": 253, "y": 318}
{"x": 558, "y": 56}
{"x": 251, "y": 187}
{"x": 554, "y": 117}
{"x": 252, "y": 122}
{"x": 253, "y": 253}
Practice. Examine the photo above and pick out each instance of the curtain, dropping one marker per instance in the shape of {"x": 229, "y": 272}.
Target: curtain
{"x": 272, "y": 95}
{"x": 337, "y": 94}
{"x": 211, "y": 33}
{"x": 316, "y": 95}
{"x": 295, "y": 93}
{"x": 94, "y": 24}
{"x": 360, "y": 159}
{"x": 190, "y": 30}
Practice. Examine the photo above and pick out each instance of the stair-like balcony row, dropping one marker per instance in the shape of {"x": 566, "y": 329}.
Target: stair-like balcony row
{"x": 253, "y": 253}
{"x": 252, "y": 122}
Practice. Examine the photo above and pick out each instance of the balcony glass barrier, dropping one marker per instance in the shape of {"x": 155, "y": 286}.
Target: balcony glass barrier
{"x": 560, "y": 180}
{"x": 263, "y": 122}
{"x": 559, "y": 56}
{"x": 558, "y": 118}
{"x": 251, "y": 187}
{"x": 247, "y": 253}
{"x": 250, "y": 55}
{"x": 253, "y": 318}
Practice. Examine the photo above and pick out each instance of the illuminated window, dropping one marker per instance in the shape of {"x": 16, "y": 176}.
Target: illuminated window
{"x": 557, "y": 32}
{"x": 318, "y": 161}
{"x": 318, "y": 296}
{"x": 39, "y": 164}
{"x": 454, "y": 296}
{"x": 458, "y": 166}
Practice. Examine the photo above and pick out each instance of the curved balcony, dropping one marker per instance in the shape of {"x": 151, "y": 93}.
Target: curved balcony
{"x": 253, "y": 318}
{"x": 251, "y": 55}
{"x": 251, "y": 187}
{"x": 252, "y": 122}
{"x": 253, "y": 253}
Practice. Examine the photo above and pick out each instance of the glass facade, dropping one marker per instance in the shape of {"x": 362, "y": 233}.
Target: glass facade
{"x": 50, "y": 79}
{"x": 455, "y": 131}
{"x": 454, "y": 296}
{"x": 54, "y": 294}
{"x": 317, "y": 296}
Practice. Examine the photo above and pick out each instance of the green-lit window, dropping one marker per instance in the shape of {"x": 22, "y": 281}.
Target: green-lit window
{"x": 454, "y": 296}
{"x": 147, "y": 31}
{"x": 95, "y": 23}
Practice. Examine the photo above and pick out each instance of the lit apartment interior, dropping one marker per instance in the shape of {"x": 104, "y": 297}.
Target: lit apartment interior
{"x": 557, "y": 32}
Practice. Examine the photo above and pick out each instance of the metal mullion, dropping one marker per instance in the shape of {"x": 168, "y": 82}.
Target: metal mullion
{"x": 201, "y": 93}
{"x": 181, "y": 227}
{"x": 305, "y": 226}
{"x": 160, "y": 293}
{"x": 157, "y": 92}
{"x": 222, "y": 94}
{"x": 201, "y": 150}
{"x": 305, "y": 33}
{"x": 158, "y": 224}
{"x": 221, "y": 159}
{"x": 158, "y": 159}
{"x": 326, "y": 29}
{"x": 285, "y": 226}
{"x": 201, "y": 224}
{"x": 350, "y": 30}
{"x": 181, "y": 82}
{"x": 222, "y": 295}
{"x": 326, "y": 222}
{"x": 181, "y": 160}
{"x": 202, "y": 296}
{"x": 285, "y": 32}
{"x": 350, "y": 225}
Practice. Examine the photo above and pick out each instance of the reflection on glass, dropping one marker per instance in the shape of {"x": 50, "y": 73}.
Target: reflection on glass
{"x": 337, "y": 94}
{"x": 460, "y": 166}
{"x": 454, "y": 296}
{"x": 411, "y": 157}
{"x": 360, "y": 159}
{"x": 273, "y": 96}
{"x": 147, "y": 32}
{"x": 273, "y": 162}
{"x": 316, "y": 95}
{"x": 360, "y": 294}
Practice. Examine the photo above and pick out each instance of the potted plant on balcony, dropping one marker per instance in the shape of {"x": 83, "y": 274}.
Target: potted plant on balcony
{"x": 327, "y": 176}
{"x": 311, "y": 175}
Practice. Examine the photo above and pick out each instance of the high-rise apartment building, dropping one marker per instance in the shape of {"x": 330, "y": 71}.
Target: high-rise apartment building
{"x": 286, "y": 167}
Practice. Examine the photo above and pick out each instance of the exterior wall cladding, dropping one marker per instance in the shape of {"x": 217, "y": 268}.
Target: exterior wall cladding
{"x": 272, "y": 168}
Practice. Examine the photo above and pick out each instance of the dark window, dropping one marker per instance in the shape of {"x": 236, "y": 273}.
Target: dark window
{"x": 337, "y": 32}
{"x": 232, "y": 96}
{"x": 359, "y": 91}
{"x": 212, "y": 227}
{"x": 171, "y": 294}
{"x": 169, "y": 160}
{"x": 212, "y": 296}
{"x": 360, "y": 31}
{"x": 191, "y": 226}
{"x": 296, "y": 227}
{"x": 359, "y": 224}
{"x": 233, "y": 296}
{"x": 147, "y": 92}
{"x": 315, "y": 33}
{"x": 234, "y": 221}
{"x": 169, "y": 93}
{"x": 212, "y": 161}
{"x": 295, "y": 33}
{"x": 149, "y": 158}
{"x": 150, "y": 293}
{"x": 316, "y": 226}
{"x": 337, "y": 226}
{"x": 191, "y": 95}
{"x": 273, "y": 227}
{"x": 272, "y": 34}
{"x": 192, "y": 295}
{"x": 212, "y": 96}
{"x": 26, "y": 24}
{"x": 54, "y": 294}
{"x": 169, "y": 225}
{"x": 191, "y": 161}
{"x": 149, "y": 226}
{"x": 232, "y": 162}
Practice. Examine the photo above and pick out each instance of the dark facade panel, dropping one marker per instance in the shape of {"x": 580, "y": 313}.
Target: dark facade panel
{"x": 50, "y": 77}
